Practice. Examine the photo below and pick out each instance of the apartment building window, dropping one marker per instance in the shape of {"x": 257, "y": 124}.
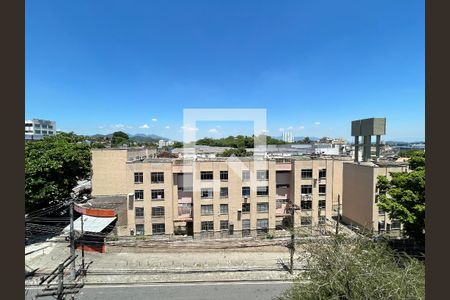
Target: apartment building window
{"x": 395, "y": 224}
{"x": 262, "y": 207}
{"x": 207, "y": 225}
{"x": 245, "y": 175}
{"x": 307, "y": 173}
{"x": 223, "y": 192}
{"x": 262, "y": 175}
{"x": 223, "y": 224}
{"x": 245, "y": 191}
{"x": 322, "y": 204}
{"x": 37, "y": 131}
{"x": 140, "y": 229}
{"x": 262, "y": 225}
{"x": 138, "y": 177}
{"x": 245, "y": 207}
{"x": 245, "y": 227}
{"x": 381, "y": 226}
{"x": 157, "y": 177}
{"x": 139, "y": 195}
{"x": 306, "y": 189}
{"x": 159, "y": 228}
{"x": 380, "y": 211}
{"x": 207, "y": 210}
{"x": 206, "y": 175}
{"x": 262, "y": 191}
{"x": 206, "y": 193}
{"x": 306, "y": 204}
{"x": 224, "y": 209}
{"x": 158, "y": 194}
{"x": 322, "y": 189}
{"x": 322, "y": 220}
{"x": 223, "y": 175}
{"x": 304, "y": 221}
{"x": 322, "y": 173}
{"x": 280, "y": 202}
{"x": 158, "y": 211}
{"x": 139, "y": 212}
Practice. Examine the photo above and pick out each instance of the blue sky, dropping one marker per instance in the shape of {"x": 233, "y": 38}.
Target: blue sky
{"x": 101, "y": 66}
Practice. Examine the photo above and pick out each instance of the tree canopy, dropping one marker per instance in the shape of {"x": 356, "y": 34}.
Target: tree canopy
{"x": 403, "y": 196}
{"x": 119, "y": 138}
{"x": 239, "y": 152}
{"x": 343, "y": 267}
{"x": 53, "y": 166}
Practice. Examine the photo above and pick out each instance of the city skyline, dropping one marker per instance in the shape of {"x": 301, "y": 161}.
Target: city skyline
{"x": 314, "y": 67}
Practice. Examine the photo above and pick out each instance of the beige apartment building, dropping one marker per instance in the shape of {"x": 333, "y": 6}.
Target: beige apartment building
{"x": 360, "y": 195}
{"x": 216, "y": 197}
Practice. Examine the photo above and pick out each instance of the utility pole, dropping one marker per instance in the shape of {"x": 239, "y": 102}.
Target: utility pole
{"x": 82, "y": 246}
{"x": 338, "y": 219}
{"x": 72, "y": 242}
{"x": 292, "y": 248}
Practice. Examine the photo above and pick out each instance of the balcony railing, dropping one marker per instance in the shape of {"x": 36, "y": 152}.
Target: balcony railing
{"x": 184, "y": 212}
{"x": 281, "y": 209}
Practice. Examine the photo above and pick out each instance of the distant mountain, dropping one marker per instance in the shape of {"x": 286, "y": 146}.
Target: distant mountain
{"x": 140, "y": 137}
{"x": 301, "y": 138}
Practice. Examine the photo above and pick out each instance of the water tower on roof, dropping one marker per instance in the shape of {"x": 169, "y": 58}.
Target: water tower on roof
{"x": 367, "y": 128}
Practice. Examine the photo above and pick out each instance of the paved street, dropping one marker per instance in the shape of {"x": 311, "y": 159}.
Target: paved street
{"x": 191, "y": 291}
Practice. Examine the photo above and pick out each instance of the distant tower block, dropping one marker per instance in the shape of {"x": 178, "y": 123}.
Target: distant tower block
{"x": 367, "y": 128}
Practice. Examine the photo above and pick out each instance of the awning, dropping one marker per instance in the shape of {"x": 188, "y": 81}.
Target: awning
{"x": 91, "y": 224}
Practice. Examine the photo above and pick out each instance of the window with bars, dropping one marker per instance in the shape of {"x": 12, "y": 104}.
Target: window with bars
{"x": 262, "y": 175}
{"x": 245, "y": 207}
{"x": 157, "y": 177}
{"x": 139, "y": 195}
{"x": 262, "y": 207}
{"x": 306, "y": 189}
{"x": 306, "y": 173}
{"x": 322, "y": 204}
{"x": 395, "y": 224}
{"x": 139, "y": 212}
{"x": 322, "y": 173}
{"x": 140, "y": 229}
{"x": 207, "y": 210}
{"x": 322, "y": 220}
{"x": 158, "y": 211}
{"x": 207, "y": 225}
{"x": 158, "y": 194}
{"x": 262, "y": 191}
{"x": 138, "y": 177}
{"x": 245, "y": 175}
{"x": 322, "y": 189}
{"x": 304, "y": 221}
{"x": 224, "y": 225}
{"x": 206, "y": 175}
{"x": 223, "y": 175}
{"x": 245, "y": 227}
{"x": 245, "y": 191}
{"x": 262, "y": 223}
{"x": 223, "y": 192}
{"x": 224, "y": 209}
{"x": 306, "y": 204}
{"x": 158, "y": 228}
{"x": 206, "y": 193}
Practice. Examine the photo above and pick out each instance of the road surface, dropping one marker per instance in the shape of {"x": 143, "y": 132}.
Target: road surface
{"x": 188, "y": 291}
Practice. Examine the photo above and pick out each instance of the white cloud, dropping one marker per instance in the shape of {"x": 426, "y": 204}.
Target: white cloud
{"x": 154, "y": 120}
{"x": 316, "y": 123}
{"x": 119, "y": 126}
{"x": 145, "y": 126}
{"x": 301, "y": 127}
{"x": 264, "y": 131}
{"x": 290, "y": 128}
{"x": 212, "y": 130}
{"x": 101, "y": 127}
{"x": 167, "y": 127}
{"x": 280, "y": 129}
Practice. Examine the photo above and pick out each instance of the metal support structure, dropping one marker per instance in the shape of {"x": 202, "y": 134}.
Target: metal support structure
{"x": 72, "y": 243}
{"x": 59, "y": 293}
{"x": 338, "y": 219}
{"x": 82, "y": 247}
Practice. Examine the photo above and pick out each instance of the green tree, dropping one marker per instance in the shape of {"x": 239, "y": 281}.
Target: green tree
{"x": 403, "y": 197}
{"x": 343, "y": 267}
{"x": 119, "y": 138}
{"x": 53, "y": 166}
{"x": 239, "y": 152}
